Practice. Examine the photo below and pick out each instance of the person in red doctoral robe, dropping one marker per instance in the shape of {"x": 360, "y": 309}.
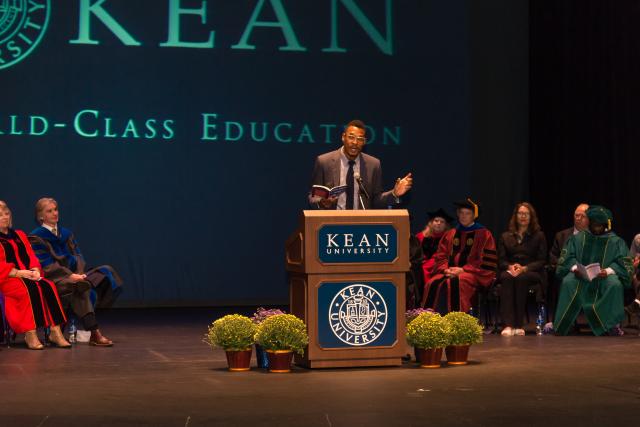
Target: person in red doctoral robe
{"x": 30, "y": 300}
{"x": 438, "y": 223}
{"x": 465, "y": 261}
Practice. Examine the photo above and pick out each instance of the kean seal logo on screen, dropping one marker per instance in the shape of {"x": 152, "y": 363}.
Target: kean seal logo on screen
{"x": 22, "y": 26}
{"x": 358, "y": 314}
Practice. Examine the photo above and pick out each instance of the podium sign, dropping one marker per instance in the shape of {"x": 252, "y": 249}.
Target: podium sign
{"x": 347, "y": 282}
{"x": 350, "y": 243}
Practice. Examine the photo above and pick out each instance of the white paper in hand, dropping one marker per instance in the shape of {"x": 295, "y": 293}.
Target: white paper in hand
{"x": 589, "y": 271}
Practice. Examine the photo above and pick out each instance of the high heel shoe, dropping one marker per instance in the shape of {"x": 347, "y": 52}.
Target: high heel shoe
{"x": 57, "y": 338}
{"x": 32, "y": 341}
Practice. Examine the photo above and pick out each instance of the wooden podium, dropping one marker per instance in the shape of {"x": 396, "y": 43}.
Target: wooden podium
{"x": 347, "y": 282}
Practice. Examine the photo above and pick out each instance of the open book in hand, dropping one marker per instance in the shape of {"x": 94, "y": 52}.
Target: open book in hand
{"x": 589, "y": 271}
{"x": 326, "y": 192}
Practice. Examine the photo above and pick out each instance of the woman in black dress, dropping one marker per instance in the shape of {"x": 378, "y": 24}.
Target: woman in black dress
{"x": 522, "y": 251}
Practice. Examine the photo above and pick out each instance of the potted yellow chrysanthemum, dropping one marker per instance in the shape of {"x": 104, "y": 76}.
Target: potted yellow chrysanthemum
{"x": 280, "y": 335}
{"x": 465, "y": 330}
{"x": 428, "y": 333}
{"x": 235, "y": 334}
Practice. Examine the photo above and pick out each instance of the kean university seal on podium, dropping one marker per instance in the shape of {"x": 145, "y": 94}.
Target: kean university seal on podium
{"x": 358, "y": 315}
{"x": 22, "y": 26}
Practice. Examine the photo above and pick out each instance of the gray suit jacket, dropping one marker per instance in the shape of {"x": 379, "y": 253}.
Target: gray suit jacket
{"x": 326, "y": 171}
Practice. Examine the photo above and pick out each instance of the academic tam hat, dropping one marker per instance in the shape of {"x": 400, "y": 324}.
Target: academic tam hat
{"x": 469, "y": 204}
{"x": 600, "y": 215}
{"x": 441, "y": 213}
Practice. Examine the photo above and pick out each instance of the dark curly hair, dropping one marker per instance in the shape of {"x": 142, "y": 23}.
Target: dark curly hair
{"x": 534, "y": 225}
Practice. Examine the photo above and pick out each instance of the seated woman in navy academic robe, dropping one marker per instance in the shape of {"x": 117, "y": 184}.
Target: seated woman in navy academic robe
{"x": 63, "y": 263}
{"x": 30, "y": 300}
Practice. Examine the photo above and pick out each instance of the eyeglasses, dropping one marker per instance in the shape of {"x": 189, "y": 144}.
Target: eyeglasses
{"x": 361, "y": 139}
{"x": 524, "y": 214}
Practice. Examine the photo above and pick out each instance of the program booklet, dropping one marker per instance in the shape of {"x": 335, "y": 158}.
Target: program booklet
{"x": 326, "y": 192}
{"x": 589, "y": 271}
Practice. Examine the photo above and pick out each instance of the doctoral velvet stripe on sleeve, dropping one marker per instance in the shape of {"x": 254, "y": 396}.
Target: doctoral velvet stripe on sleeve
{"x": 64, "y": 248}
{"x": 471, "y": 248}
{"x": 61, "y": 256}
{"x": 482, "y": 259}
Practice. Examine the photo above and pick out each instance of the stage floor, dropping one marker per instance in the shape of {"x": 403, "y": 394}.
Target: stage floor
{"x": 159, "y": 373}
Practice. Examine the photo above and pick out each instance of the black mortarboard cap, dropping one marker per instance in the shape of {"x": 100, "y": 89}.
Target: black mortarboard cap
{"x": 440, "y": 213}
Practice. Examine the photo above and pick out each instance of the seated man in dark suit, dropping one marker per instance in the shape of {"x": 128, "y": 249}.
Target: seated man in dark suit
{"x": 360, "y": 173}
{"x": 580, "y": 223}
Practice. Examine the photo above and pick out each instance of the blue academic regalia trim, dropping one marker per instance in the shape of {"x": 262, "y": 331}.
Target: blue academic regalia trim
{"x": 58, "y": 244}
{"x": 472, "y": 227}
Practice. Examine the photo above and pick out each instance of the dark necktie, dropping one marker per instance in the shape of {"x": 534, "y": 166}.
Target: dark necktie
{"x": 350, "y": 187}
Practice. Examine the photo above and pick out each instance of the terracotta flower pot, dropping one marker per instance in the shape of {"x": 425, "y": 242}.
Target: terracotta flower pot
{"x": 457, "y": 354}
{"x": 239, "y": 360}
{"x": 280, "y": 360}
{"x": 428, "y": 357}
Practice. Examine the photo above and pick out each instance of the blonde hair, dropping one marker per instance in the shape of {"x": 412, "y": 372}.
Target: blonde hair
{"x": 5, "y": 207}
{"x": 40, "y": 204}
{"x": 447, "y": 225}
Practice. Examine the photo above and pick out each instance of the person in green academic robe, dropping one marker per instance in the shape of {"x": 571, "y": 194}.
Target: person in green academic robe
{"x": 601, "y": 299}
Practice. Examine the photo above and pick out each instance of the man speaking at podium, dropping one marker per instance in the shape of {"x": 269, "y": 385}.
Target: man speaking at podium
{"x": 347, "y": 178}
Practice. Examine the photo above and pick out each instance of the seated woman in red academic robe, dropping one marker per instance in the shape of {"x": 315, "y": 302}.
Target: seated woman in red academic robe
{"x": 31, "y": 301}
{"x": 437, "y": 224}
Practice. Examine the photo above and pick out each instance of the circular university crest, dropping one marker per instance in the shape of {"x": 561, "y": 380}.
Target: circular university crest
{"x": 358, "y": 314}
{"x": 22, "y": 25}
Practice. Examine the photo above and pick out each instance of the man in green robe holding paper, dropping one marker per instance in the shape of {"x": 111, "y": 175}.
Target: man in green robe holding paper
{"x": 601, "y": 298}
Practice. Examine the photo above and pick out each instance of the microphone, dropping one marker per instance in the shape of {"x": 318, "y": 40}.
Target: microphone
{"x": 358, "y": 178}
